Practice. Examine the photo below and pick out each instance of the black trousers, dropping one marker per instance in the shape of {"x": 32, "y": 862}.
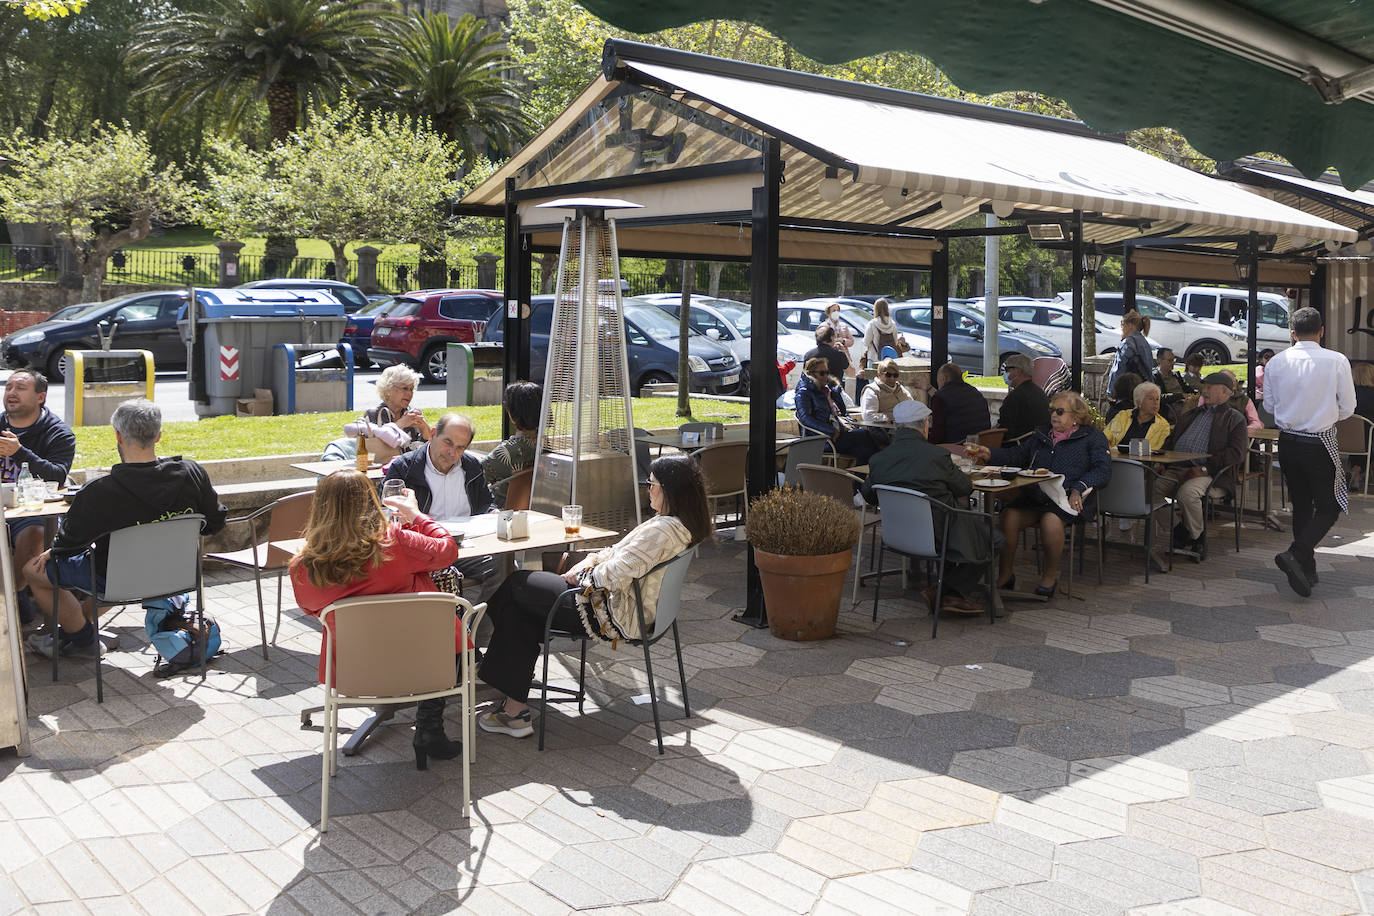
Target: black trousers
{"x": 518, "y": 611}
{"x": 1311, "y": 477}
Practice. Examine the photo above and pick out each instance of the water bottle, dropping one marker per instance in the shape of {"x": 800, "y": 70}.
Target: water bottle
{"x": 27, "y": 490}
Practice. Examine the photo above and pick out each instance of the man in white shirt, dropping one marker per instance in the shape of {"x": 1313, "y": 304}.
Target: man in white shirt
{"x": 1309, "y": 389}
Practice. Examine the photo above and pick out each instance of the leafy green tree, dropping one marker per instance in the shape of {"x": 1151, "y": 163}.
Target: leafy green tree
{"x": 457, "y": 77}
{"x": 346, "y": 177}
{"x": 98, "y": 194}
{"x": 44, "y": 10}
{"x": 292, "y": 54}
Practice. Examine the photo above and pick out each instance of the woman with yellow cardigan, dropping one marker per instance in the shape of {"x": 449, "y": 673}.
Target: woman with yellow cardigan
{"x": 1144, "y": 422}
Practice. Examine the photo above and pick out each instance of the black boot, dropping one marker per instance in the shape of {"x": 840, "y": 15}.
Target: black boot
{"x": 430, "y": 740}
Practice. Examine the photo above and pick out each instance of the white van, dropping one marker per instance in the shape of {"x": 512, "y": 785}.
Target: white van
{"x": 1229, "y": 306}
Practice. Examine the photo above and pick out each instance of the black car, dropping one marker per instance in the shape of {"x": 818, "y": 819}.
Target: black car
{"x": 141, "y": 321}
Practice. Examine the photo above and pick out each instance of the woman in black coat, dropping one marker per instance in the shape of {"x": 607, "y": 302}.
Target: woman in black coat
{"x": 1068, "y": 446}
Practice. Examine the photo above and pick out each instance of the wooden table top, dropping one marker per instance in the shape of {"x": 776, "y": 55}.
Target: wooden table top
{"x": 325, "y": 468}
{"x": 54, "y": 509}
{"x": 1170, "y": 457}
{"x": 1267, "y": 435}
{"x": 545, "y": 531}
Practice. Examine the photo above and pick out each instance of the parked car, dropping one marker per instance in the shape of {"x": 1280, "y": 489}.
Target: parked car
{"x": 139, "y": 321}
{"x": 418, "y": 327}
{"x": 351, "y": 297}
{"x": 1054, "y": 322}
{"x": 651, "y": 348}
{"x": 1228, "y": 307}
{"x": 728, "y": 322}
{"x": 1175, "y": 328}
{"x": 966, "y": 331}
{"x": 358, "y": 331}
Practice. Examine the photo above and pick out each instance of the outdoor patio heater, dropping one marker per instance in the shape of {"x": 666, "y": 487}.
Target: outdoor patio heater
{"x": 586, "y": 452}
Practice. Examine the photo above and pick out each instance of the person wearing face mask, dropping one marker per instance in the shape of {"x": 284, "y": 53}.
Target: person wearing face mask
{"x": 1026, "y": 405}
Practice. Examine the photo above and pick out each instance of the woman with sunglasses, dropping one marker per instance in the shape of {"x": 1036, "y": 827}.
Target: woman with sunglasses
{"x": 820, "y": 409}
{"x": 883, "y": 393}
{"x": 520, "y": 608}
{"x": 1068, "y": 446}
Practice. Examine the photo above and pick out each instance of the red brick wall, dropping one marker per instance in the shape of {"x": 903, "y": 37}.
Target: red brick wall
{"x": 13, "y": 321}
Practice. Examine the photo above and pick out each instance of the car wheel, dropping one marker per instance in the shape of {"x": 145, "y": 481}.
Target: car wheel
{"x": 434, "y": 364}
{"x": 1212, "y": 353}
{"x": 54, "y": 369}
{"x": 743, "y": 389}
{"x": 651, "y": 378}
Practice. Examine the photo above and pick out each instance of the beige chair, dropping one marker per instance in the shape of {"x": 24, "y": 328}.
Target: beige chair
{"x": 518, "y": 489}
{"x": 1353, "y": 438}
{"x": 839, "y": 485}
{"x": 393, "y": 649}
{"x": 286, "y": 520}
{"x": 992, "y": 438}
{"x": 723, "y": 466}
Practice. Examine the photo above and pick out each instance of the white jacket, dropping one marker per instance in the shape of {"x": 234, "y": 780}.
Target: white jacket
{"x": 875, "y": 327}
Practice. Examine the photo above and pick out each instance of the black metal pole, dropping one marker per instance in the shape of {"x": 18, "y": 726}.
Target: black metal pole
{"x": 1076, "y": 339}
{"x": 1251, "y": 254}
{"x": 511, "y": 310}
{"x": 1128, "y": 280}
{"x": 1316, "y": 292}
{"x": 763, "y": 357}
{"x": 939, "y": 309}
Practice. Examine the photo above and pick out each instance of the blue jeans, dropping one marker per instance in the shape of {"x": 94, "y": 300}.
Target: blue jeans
{"x": 74, "y": 573}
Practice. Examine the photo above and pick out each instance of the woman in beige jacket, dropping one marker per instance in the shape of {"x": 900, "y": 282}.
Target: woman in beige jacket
{"x": 520, "y": 607}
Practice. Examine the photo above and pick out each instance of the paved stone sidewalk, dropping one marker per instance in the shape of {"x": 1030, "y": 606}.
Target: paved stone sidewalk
{"x": 1200, "y": 744}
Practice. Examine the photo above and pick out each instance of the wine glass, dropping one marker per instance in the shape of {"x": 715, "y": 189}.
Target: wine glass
{"x": 392, "y": 488}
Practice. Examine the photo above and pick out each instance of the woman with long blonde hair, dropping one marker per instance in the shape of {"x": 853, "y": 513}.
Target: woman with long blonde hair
{"x": 351, "y": 549}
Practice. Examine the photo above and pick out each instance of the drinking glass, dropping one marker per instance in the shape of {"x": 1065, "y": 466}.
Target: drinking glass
{"x": 971, "y": 445}
{"x": 392, "y": 488}
{"x": 572, "y": 520}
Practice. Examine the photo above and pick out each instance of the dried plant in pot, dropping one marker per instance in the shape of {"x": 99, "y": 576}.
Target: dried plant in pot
{"x": 803, "y": 544}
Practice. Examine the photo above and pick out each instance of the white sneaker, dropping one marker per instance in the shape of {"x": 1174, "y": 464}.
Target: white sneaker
{"x": 496, "y": 721}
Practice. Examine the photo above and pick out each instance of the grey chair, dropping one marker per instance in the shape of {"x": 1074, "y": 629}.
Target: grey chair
{"x": 807, "y": 450}
{"x": 665, "y": 619}
{"x": 1130, "y": 495}
{"x": 1236, "y": 472}
{"x": 144, "y": 563}
{"x": 911, "y": 531}
{"x": 286, "y": 520}
{"x": 723, "y": 468}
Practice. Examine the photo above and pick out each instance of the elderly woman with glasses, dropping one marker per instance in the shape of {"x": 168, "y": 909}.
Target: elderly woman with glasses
{"x": 1145, "y": 422}
{"x": 396, "y": 387}
{"x": 883, "y": 393}
{"x": 1070, "y": 447}
{"x": 820, "y": 410}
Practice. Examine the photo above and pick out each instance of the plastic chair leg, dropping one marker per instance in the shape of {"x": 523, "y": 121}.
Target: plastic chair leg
{"x": 681, "y": 673}
{"x": 262, "y": 618}
{"x": 653, "y": 695}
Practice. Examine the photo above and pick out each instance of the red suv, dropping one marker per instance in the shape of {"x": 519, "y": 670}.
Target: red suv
{"x": 418, "y": 327}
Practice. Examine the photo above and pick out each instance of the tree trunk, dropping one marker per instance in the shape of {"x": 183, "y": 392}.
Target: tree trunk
{"x": 844, "y": 281}
{"x": 548, "y": 271}
{"x": 282, "y": 108}
{"x": 684, "y": 371}
{"x": 1090, "y": 315}
{"x": 714, "y": 284}
{"x": 433, "y": 270}
{"x": 340, "y": 250}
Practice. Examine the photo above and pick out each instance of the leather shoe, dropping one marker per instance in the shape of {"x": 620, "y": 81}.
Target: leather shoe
{"x": 1297, "y": 579}
{"x": 956, "y": 604}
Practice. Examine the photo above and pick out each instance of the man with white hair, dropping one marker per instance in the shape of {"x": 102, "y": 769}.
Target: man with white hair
{"x": 142, "y": 488}
{"x": 912, "y": 461}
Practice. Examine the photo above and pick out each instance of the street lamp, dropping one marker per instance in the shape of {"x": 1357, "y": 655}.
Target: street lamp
{"x": 1243, "y": 265}
{"x": 1092, "y": 260}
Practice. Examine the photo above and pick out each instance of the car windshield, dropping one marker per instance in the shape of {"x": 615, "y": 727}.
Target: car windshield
{"x": 376, "y": 308}
{"x": 736, "y": 313}
{"x": 653, "y": 321}
{"x": 86, "y": 311}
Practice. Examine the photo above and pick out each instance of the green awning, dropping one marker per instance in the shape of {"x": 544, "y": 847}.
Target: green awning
{"x": 1229, "y": 77}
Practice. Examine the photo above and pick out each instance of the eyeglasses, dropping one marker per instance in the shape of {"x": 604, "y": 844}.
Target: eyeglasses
{"x": 892, "y": 375}
{"x": 1059, "y": 411}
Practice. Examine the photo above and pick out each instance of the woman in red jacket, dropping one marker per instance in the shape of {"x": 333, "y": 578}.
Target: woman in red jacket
{"x": 351, "y": 549}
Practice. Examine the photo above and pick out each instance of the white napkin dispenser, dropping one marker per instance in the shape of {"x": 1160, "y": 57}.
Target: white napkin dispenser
{"x": 512, "y": 524}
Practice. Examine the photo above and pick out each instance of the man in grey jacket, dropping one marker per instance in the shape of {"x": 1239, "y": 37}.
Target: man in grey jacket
{"x": 913, "y": 461}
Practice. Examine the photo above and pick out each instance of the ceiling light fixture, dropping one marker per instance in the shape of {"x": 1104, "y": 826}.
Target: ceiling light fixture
{"x": 829, "y": 187}
{"x": 893, "y": 197}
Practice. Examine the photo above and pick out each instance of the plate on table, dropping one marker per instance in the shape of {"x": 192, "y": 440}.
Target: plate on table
{"x": 1010, "y": 471}
{"x": 1037, "y": 473}
{"x": 994, "y": 482}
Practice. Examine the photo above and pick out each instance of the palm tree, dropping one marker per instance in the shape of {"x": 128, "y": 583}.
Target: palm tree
{"x": 291, "y": 53}
{"x": 455, "y": 76}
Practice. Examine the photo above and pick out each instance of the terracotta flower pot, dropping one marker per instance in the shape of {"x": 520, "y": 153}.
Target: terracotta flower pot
{"x": 802, "y": 594}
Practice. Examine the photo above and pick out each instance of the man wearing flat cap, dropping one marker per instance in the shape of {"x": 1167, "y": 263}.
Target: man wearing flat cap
{"x": 913, "y": 461}
{"x": 1217, "y": 430}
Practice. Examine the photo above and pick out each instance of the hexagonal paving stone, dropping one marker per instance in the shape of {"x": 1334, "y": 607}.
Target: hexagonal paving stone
{"x": 1128, "y": 780}
{"x": 1349, "y": 729}
{"x": 809, "y": 791}
{"x": 829, "y": 690}
{"x": 1187, "y": 749}
{"x": 983, "y": 856}
{"x": 1281, "y": 698}
{"x": 1009, "y": 769}
{"x": 1073, "y": 740}
{"x": 1062, "y": 815}
{"x": 1042, "y": 897}
{"x": 1195, "y": 826}
{"x": 1239, "y": 723}
{"x": 780, "y": 748}
{"x": 1324, "y": 678}
{"x": 1352, "y": 794}
{"x": 1265, "y": 881}
{"x": 1082, "y": 683}
{"x": 1308, "y": 756}
{"x": 618, "y": 872}
{"x": 759, "y": 883}
{"x": 1336, "y": 838}
{"x": 1256, "y": 791}
{"x": 1297, "y": 634}
{"x": 893, "y": 892}
{"x": 1127, "y": 870}
{"x": 691, "y": 779}
{"x": 955, "y": 688}
{"x": 836, "y": 845}
{"x": 893, "y": 670}
{"x": 859, "y": 720}
{"x": 1176, "y": 690}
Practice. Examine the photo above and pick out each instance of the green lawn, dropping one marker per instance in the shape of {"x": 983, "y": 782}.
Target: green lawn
{"x": 244, "y": 437}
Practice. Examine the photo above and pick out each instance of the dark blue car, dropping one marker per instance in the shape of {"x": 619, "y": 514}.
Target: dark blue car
{"x": 358, "y": 331}
{"x": 651, "y": 347}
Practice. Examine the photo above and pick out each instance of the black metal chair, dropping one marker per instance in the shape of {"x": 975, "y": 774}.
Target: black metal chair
{"x": 665, "y": 619}
{"x": 1130, "y": 495}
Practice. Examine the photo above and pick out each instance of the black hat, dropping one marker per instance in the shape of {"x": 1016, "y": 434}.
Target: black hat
{"x": 1220, "y": 378}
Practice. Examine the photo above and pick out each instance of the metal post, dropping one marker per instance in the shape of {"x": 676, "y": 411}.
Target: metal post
{"x": 1251, "y": 253}
{"x": 1128, "y": 280}
{"x": 513, "y": 319}
{"x": 763, "y": 357}
{"x": 939, "y": 309}
{"x": 1076, "y": 340}
{"x": 1316, "y": 292}
{"x": 992, "y": 272}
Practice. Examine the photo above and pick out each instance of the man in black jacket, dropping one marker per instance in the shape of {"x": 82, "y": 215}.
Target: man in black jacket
{"x": 1218, "y": 431}
{"x": 448, "y": 482}
{"x": 958, "y": 408}
{"x": 1026, "y": 406}
{"x": 32, "y": 435}
{"x": 142, "y": 488}
{"x": 835, "y": 357}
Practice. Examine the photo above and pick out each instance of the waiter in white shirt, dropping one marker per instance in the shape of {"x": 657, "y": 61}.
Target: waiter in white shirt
{"x": 1309, "y": 389}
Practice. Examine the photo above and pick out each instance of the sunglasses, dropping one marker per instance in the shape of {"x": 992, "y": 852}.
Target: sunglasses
{"x": 822, "y": 373}
{"x": 1059, "y": 411}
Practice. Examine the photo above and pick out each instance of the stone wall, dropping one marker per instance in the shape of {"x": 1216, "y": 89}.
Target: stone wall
{"x": 24, "y": 295}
